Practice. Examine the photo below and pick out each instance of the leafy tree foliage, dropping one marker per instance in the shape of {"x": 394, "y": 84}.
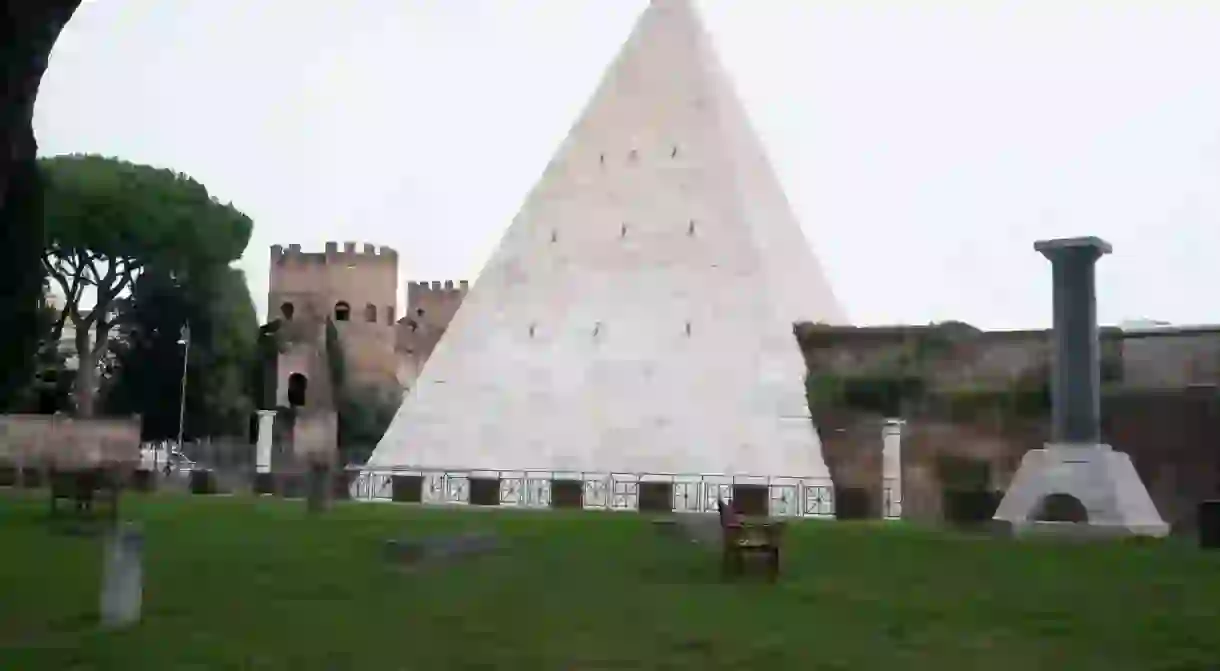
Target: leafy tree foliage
{"x": 28, "y": 30}
{"x": 106, "y": 221}
{"x": 365, "y": 413}
{"x": 223, "y": 330}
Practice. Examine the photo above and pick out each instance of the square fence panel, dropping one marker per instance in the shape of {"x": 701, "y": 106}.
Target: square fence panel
{"x": 778, "y": 497}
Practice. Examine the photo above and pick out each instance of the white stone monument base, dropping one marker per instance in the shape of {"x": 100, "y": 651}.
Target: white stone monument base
{"x": 1103, "y": 480}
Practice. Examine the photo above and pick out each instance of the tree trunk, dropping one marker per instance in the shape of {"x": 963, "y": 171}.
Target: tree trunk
{"x": 92, "y": 339}
{"x": 85, "y": 383}
{"x": 28, "y": 30}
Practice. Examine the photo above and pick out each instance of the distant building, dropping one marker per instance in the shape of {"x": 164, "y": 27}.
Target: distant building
{"x": 1142, "y": 324}
{"x": 356, "y": 290}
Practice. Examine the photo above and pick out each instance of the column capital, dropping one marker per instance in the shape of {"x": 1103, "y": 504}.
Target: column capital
{"x": 1090, "y": 247}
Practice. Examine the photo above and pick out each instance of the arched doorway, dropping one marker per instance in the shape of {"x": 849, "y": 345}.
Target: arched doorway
{"x": 298, "y": 386}
{"x": 1060, "y": 508}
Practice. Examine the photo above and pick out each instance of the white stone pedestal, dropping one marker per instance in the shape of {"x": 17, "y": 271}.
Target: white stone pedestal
{"x": 1103, "y": 480}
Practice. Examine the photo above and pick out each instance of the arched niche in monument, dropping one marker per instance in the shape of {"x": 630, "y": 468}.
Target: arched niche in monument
{"x": 298, "y": 388}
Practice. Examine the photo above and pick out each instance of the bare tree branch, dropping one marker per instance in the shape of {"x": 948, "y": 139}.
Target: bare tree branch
{"x": 71, "y": 292}
{"x": 90, "y": 262}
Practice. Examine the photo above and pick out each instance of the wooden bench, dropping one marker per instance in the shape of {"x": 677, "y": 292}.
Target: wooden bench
{"x": 742, "y": 537}
{"x": 83, "y": 486}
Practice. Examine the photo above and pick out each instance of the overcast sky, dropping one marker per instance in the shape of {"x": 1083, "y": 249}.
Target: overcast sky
{"x": 924, "y": 145}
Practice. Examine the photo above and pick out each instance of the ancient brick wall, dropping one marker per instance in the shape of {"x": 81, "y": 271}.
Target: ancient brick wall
{"x": 53, "y": 440}
{"x": 1171, "y": 358}
{"x": 1173, "y": 438}
{"x": 947, "y": 356}
{"x": 430, "y": 308}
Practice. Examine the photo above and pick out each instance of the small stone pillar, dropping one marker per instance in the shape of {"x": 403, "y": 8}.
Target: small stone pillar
{"x": 891, "y": 469}
{"x": 122, "y": 577}
{"x": 1075, "y": 463}
{"x": 266, "y": 431}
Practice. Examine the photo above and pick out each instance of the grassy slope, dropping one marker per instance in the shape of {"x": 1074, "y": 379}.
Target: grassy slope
{"x": 238, "y": 583}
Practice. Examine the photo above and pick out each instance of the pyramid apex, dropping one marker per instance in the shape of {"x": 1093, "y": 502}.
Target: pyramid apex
{"x": 659, "y": 214}
{"x": 666, "y": 4}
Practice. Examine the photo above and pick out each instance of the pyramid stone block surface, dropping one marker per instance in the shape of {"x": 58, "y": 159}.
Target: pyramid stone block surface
{"x": 637, "y": 316}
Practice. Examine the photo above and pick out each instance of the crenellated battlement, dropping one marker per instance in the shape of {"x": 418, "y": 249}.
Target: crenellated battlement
{"x": 333, "y": 254}
{"x": 436, "y": 286}
{"x": 436, "y": 294}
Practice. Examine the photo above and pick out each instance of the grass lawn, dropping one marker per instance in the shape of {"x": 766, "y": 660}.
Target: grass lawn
{"x": 238, "y": 583}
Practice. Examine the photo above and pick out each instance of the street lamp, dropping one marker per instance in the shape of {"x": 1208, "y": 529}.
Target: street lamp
{"x": 184, "y": 339}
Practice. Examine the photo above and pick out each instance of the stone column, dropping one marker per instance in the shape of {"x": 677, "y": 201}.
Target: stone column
{"x": 266, "y": 430}
{"x": 891, "y": 469}
{"x": 1075, "y": 462}
{"x": 1076, "y": 372}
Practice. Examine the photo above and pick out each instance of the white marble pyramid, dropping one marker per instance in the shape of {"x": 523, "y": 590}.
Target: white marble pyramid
{"x": 637, "y": 316}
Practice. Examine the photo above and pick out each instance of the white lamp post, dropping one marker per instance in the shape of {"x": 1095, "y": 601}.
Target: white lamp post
{"x": 185, "y": 339}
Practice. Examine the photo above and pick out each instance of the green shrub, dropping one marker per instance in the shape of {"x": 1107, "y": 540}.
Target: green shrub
{"x": 970, "y": 507}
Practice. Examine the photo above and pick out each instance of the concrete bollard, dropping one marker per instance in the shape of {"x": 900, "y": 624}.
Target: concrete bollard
{"x": 123, "y": 577}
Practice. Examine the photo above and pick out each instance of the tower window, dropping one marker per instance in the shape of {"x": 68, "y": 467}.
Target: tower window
{"x": 287, "y": 309}
{"x": 602, "y": 159}
{"x": 370, "y": 313}
{"x": 389, "y": 315}
{"x": 690, "y": 230}
{"x": 532, "y": 329}
{"x": 343, "y": 311}
{"x": 419, "y": 312}
{"x": 622, "y": 233}
{"x": 633, "y": 156}
{"x": 554, "y": 236}
{"x": 674, "y": 153}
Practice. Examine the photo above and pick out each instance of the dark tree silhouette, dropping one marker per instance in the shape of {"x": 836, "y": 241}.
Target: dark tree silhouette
{"x": 28, "y": 30}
